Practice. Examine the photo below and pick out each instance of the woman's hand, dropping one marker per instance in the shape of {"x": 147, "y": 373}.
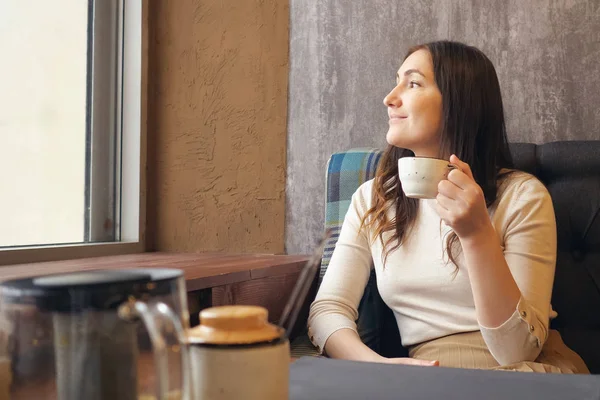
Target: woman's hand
{"x": 460, "y": 202}
{"x": 410, "y": 361}
{"x": 346, "y": 344}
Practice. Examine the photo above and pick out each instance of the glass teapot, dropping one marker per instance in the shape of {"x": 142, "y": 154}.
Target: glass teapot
{"x": 95, "y": 335}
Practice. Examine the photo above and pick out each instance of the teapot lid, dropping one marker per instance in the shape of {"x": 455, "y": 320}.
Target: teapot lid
{"x": 76, "y": 291}
{"x": 233, "y": 325}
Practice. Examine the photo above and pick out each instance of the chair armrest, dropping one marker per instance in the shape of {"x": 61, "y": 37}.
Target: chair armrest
{"x": 300, "y": 327}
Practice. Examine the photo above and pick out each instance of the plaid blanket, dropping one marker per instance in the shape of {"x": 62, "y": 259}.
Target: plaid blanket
{"x": 346, "y": 171}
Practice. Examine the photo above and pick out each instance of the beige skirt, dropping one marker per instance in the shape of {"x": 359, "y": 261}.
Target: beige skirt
{"x": 468, "y": 350}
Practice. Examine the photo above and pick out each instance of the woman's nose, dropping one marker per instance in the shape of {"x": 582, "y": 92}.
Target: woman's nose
{"x": 393, "y": 98}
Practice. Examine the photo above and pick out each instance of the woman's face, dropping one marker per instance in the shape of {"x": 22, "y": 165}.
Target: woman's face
{"x": 415, "y": 107}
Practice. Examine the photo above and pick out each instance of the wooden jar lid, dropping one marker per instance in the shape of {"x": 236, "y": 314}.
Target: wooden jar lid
{"x": 234, "y": 325}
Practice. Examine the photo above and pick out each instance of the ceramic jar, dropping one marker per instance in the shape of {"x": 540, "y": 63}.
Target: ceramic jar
{"x": 237, "y": 354}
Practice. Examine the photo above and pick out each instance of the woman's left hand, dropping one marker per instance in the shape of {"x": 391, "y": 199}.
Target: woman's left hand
{"x": 460, "y": 202}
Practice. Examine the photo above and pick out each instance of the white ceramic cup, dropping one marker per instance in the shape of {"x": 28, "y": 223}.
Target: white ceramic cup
{"x": 420, "y": 176}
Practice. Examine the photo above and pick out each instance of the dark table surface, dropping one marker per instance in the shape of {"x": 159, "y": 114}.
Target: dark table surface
{"x": 313, "y": 378}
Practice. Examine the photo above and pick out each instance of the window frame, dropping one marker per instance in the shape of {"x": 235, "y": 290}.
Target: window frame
{"x": 130, "y": 184}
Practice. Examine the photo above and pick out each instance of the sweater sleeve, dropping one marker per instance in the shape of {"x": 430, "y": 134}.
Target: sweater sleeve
{"x": 529, "y": 238}
{"x": 335, "y": 306}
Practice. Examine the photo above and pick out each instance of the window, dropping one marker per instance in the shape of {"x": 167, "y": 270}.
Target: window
{"x": 70, "y": 137}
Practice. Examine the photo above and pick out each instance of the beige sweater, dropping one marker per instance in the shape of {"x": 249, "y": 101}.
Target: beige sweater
{"x": 417, "y": 283}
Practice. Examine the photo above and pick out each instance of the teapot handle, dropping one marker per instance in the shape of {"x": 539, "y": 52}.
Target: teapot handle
{"x": 149, "y": 315}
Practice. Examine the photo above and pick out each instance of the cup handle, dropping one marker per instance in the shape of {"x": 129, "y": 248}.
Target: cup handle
{"x": 139, "y": 309}
{"x": 450, "y": 168}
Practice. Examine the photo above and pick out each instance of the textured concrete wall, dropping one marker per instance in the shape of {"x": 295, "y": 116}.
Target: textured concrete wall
{"x": 344, "y": 56}
{"x": 217, "y": 101}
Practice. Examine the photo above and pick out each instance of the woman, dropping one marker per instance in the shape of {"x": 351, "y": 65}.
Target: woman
{"x": 468, "y": 274}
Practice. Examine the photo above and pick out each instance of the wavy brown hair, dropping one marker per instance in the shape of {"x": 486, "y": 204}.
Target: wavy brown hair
{"x": 473, "y": 128}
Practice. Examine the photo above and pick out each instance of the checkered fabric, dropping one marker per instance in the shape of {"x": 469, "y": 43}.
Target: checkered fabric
{"x": 346, "y": 171}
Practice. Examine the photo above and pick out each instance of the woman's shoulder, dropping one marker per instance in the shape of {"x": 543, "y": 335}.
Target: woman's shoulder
{"x": 516, "y": 185}
{"x": 522, "y": 203}
{"x": 364, "y": 193}
{"x": 365, "y": 190}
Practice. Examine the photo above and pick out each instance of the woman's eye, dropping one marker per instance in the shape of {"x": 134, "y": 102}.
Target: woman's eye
{"x": 413, "y": 84}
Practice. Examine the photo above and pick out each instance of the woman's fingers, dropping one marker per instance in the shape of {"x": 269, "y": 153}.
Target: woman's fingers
{"x": 413, "y": 361}
{"x": 464, "y": 167}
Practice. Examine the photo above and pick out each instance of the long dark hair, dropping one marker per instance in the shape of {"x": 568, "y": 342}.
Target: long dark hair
{"x": 473, "y": 128}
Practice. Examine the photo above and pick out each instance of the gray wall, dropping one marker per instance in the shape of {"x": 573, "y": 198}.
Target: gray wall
{"x": 344, "y": 56}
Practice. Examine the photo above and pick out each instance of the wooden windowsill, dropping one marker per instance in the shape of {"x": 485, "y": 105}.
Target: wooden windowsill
{"x": 201, "y": 270}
